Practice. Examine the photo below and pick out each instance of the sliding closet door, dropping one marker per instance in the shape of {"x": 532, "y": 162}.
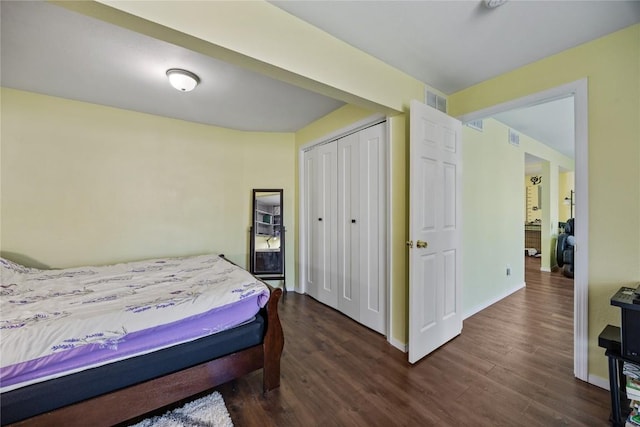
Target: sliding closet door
{"x": 324, "y": 228}
{"x": 373, "y": 225}
{"x": 348, "y": 226}
{"x": 345, "y": 222}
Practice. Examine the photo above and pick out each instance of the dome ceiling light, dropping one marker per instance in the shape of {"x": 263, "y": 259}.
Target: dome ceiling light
{"x": 492, "y": 4}
{"x": 182, "y": 80}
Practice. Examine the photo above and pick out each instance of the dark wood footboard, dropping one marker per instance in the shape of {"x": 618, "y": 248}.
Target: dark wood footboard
{"x": 131, "y": 402}
{"x": 273, "y": 343}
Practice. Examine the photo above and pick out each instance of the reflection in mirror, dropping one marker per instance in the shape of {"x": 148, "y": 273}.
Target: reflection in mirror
{"x": 266, "y": 258}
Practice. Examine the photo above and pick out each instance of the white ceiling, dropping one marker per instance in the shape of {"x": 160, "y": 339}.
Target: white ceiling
{"x": 452, "y": 45}
{"x": 551, "y": 123}
{"x": 447, "y": 44}
{"x": 54, "y": 51}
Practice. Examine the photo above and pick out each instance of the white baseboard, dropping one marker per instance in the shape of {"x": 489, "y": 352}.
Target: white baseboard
{"x": 545, "y": 269}
{"x": 599, "y": 381}
{"x": 492, "y": 301}
{"x": 397, "y": 344}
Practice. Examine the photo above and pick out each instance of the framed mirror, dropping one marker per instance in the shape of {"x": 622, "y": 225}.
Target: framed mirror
{"x": 266, "y": 255}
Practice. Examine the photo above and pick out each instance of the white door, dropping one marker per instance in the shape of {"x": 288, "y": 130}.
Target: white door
{"x": 349, "y": 220}
{"x": 324, "y": 230}
{"x": 434, "y": 228}
{"x": 362, "y": 227}
{"x": 373, "y": 225}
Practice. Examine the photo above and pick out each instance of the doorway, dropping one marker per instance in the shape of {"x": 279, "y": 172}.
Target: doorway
{"x": 578, "y": 90}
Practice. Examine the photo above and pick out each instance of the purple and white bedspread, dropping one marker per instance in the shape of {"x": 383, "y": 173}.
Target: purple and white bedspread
{"x": 56, "y": 322}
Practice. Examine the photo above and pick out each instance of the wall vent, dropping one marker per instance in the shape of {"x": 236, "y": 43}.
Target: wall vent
{"x": 476, "y": 124}
{"x": 514, "y": 138}
{"x": 436, "y": 101}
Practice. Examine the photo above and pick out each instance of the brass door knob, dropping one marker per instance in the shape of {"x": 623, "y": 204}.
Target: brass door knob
{"x": 421, "y": 244}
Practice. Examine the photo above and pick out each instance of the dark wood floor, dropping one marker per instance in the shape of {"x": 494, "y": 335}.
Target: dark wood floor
{"x": 512, "y": 366}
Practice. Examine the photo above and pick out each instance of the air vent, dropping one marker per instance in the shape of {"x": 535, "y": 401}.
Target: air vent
{"x": 436, "y": 101}
{"x": 514, "y": 138}
{"x": 476, "y": 124}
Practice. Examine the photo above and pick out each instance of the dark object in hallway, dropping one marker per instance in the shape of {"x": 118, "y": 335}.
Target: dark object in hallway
{"x": 565, "y": 248}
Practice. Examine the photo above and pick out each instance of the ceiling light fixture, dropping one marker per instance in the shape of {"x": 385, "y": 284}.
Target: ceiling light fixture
{"x": 183, "y": 80}
{"x": 492, "y": 4}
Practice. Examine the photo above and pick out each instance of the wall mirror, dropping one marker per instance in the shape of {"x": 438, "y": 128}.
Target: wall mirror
{"x": 266, "y": 257}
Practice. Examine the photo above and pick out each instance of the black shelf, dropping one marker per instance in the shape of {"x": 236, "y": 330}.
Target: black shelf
{"x": 621, "y": 345}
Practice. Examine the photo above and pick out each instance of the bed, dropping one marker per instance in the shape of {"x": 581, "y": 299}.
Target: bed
{"x": 103, "y": 345}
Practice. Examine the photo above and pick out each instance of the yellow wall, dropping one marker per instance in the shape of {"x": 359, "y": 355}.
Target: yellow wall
{"x": 87, "y": 184}
{"x": 399, "y": 182}
{"x": 338, "y": 119}
{"x": 566, "y": 186}
{"x": 612, "y": 66}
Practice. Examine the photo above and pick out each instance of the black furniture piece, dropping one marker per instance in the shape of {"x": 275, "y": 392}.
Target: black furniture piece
{"x": 565, "y": 248}
{"x": 609, "y": 339}
{"x": 622, "y": 345}
{"x": 628, "y": 299}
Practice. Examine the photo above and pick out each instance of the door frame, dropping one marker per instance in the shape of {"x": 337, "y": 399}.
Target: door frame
{"x": 579, "y": 90}
{"x": 372, "y": 120}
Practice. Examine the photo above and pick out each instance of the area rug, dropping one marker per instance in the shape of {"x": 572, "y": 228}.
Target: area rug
{"x": 208, "y": 411}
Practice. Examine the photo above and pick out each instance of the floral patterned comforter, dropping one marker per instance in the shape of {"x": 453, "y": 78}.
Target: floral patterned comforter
{"x": 55, "y": 322}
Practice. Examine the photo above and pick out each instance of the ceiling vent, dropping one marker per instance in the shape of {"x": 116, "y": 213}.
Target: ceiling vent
{"x": 476, "y": 124}
{"x": 436, "y": 101}
{"x": 514, "y": 138}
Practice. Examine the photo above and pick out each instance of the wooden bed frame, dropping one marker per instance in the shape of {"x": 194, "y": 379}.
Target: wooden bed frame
{"x": 131, "y": 402}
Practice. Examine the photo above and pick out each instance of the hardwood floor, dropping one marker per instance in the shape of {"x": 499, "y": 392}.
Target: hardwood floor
{"x": 512, "y": 366}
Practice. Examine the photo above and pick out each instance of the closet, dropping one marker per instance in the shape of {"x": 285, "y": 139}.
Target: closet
{"x": 345, "y": 222}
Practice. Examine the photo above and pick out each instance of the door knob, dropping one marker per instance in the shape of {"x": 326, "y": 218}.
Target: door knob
{"x": 421, "y": 244}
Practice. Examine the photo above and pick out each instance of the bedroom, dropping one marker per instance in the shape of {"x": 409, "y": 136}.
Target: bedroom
{"x": 137, "y": 230}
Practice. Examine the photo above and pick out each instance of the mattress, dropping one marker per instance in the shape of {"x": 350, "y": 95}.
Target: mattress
{"x": 49, "y": 395}
{"x": 58, "y": 322}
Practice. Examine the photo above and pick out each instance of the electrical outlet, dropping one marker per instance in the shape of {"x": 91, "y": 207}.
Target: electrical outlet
{"x": 508, "y": 270}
